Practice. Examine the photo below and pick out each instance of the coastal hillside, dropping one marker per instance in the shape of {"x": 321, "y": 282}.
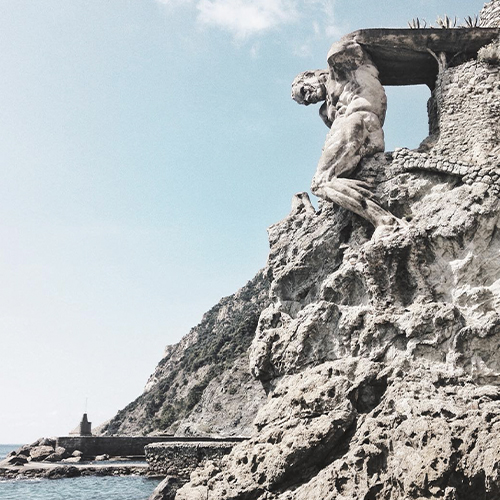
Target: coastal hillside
{"x": 202, "y": 386}
{"x": 379, "y": 349}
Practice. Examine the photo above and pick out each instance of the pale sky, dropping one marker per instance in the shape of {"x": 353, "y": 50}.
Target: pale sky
{"x": 145, "y": 147}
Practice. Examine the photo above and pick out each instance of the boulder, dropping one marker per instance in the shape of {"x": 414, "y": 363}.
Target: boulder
{"x": 61, "y": 451}
{"x": 55, "y": 457}
{"x": 14, "y": 460}
{"x": 166, "y": 489}
{"x": 63, "y": 471}
{"x": 48, "y": 442}
{"x": 24, "y": 450}
{"x": 39, "y": 453}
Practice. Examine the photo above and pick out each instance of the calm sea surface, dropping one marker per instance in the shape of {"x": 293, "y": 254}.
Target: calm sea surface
{"x": 78, "y": 488}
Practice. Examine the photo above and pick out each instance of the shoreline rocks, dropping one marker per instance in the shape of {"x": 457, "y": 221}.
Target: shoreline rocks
{"x": 60, "y": 471}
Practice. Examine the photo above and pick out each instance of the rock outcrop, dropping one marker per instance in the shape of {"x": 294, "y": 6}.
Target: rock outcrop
{"x": 379, "y": 352}
{"x": 202, "y": 386}
{"x": 42, "y": 450}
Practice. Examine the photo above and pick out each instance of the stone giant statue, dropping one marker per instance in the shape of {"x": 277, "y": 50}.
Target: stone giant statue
{"x": 354, "y": 110}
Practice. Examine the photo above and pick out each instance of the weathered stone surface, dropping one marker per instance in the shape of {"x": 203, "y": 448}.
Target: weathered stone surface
{"x": 228, "y": 404}
{"x": 380, "y": 355}
{"x": 55, "y": 457}
{"x": 179, "y": 459}
{"x": 354, "y": 110}
{"x": 24, "y": 450}
{"x": 52, "y": 471}
{"x": 403, "y": 56}
{"x": 63, "y": 471}
{"x": 167, "y": 488}
{"x": 60, "y": 450}
{"x": 379, "y": 351}
{"x": 47, "y": 442}
{"x": 41, "y": 452}
{"x": 14, "y": 460}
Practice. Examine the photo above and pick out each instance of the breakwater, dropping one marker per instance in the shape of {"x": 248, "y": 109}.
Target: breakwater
{"x": 125, "y": 446}
{"x": 179, "y": 459}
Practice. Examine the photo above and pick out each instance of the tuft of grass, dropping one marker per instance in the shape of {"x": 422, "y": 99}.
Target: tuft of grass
{"x": 471, "y": 22}
{"x": 446, "y": 22}
{"x": 416, "y": 24}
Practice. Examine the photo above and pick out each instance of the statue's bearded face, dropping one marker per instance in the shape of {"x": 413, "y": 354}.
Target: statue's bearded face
{"x": 307, "y": 88}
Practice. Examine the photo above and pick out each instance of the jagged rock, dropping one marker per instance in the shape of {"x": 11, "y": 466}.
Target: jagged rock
{"x": 101, "y": 458}
{"x": 40, "y": 452}
{"x": 166, "y": 489}
{"x": 379, "y": 350}
{"x": 59, "y": 454}
{"x": 14, "y": 460}
{"x": 381, "y": 364}
{"x": 47, "y": 442}
{"x": 24, "y": 450}
{"x": 54, "y": 457}
{"x": 63, "y": 471}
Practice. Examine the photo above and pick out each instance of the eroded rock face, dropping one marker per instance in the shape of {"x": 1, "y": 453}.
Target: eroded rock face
{"x": 379, "y": 351}
{"x": 203, "y": 386}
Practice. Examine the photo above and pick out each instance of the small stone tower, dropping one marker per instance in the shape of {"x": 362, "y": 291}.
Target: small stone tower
{"x": 84, "y": 427}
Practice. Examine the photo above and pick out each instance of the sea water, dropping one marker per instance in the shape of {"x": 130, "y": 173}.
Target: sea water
{"x": 75, "y": 488}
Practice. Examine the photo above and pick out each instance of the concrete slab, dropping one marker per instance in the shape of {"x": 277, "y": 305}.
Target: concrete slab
{"x": 402, "y": 55}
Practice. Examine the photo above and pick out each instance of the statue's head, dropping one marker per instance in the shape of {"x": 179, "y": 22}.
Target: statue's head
{"x": 309, "y": 87}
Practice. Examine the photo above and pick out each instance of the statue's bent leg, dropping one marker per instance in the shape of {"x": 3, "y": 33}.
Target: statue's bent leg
{"x": 349, "y": 139}
{"x": 342, "y": 192}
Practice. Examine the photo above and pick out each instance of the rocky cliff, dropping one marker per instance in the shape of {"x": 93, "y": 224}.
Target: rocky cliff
{"x": 202, "y": 385}
{"x": 379, "y": 351}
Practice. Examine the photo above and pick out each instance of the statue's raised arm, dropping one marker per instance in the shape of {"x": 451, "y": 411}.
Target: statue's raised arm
{"x": 354, "y": 110}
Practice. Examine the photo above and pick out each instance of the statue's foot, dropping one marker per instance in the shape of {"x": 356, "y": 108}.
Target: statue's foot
{"x": 388, "y": 226}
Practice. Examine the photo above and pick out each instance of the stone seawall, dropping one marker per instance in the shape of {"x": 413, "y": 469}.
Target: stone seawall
{"x": 180, "y": 459}
{"x": 124, "y": 446}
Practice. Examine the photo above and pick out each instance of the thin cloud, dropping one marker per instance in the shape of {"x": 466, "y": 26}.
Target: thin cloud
{"x": 320, "y": 16}
{"x": 313, "y": 20}
{"x": 245, "y": 18}
{"x": 325, "y": 24}
{"x": 175, "y": 2}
